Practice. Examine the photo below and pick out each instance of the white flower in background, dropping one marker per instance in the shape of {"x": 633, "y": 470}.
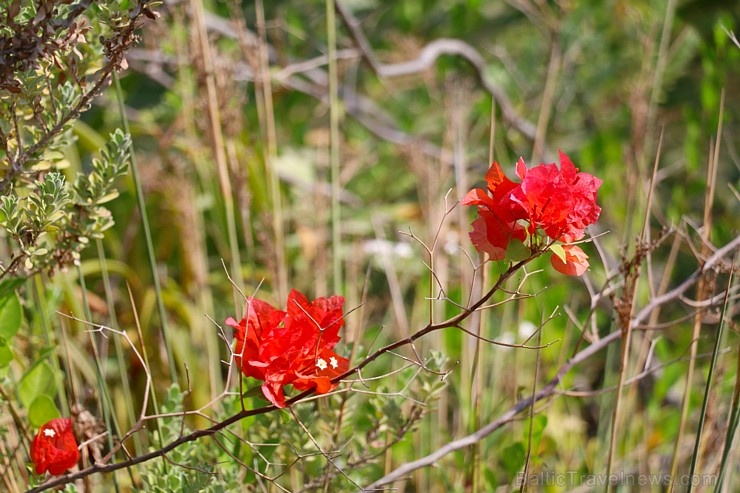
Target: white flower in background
{"x": 527, "y": 329}
{"x": 387, "y": 248}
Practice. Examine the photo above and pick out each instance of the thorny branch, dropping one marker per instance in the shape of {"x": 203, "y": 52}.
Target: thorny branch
{"x": 547, "y": 391}
{"x": 216, "y": 428}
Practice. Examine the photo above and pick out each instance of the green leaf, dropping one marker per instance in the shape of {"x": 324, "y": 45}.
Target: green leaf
{"x": 42, "y": 410}
{"x": 10, "y": 316}
{"x": 516, "y": 251}
{"x": 558, "y": 250}
{"x": 39, "y": 380}
{"x": 10, "y": 285}
{"x": 107, "y": 197}
{"x": 539, "y": 423}
{"x": 491, "y": 481}
{"x": 6, "y": 356}
{"x": 45, "y": 352}
{"x": 513, "y": 457}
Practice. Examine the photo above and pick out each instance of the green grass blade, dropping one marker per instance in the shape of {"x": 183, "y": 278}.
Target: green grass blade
{"x": 147, "y": 235}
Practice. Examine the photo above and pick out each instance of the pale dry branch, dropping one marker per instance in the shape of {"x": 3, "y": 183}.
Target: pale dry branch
{"x": 426, "y": 59}
{"x": 310, "y": 78}
{"x": 643, "y": 374}
{"x": 732, "y": 36}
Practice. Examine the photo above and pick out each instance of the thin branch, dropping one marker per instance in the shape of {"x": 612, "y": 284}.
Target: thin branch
{"x": 466, "y": 441}
{"x": 195, "y": 435}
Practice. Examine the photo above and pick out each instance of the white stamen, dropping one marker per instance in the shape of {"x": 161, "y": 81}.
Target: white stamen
{"x": 321, "y": 364}
{"x": 50, "y": 433}
{"x": 333, "y": 362}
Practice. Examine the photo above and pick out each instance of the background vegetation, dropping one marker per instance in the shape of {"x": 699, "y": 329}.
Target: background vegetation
{"x": 322, "y": 146}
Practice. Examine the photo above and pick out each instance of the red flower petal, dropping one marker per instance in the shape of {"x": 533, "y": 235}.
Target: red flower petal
{"x": 54, "y": 448}
{"x": 521, "y": 169}
{"x": 477, "y": 196}
{"x": 492, "y": 235}
{"x": 272, "y": 389}
{"x": 496, "y": 177}
{"x": 576, "y": 261}
{"x": 497, "y": 224}
{"x": 291, "y": 347}
{"x": 560, "y": 201}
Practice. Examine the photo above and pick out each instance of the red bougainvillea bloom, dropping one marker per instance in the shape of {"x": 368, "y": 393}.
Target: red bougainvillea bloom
{"x": 290, "y": 347}
{"x": 560, "y": 201}
{"x": 576, "y": 261}
{"x": 54, "y": 448}
{"x": 497, "y": 224}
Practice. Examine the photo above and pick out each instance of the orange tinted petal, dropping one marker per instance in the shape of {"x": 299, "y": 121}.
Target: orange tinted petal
{"x": 576, "y": 261}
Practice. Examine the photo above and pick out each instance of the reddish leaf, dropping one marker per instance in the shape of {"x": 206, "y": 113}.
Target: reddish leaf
{"x": 575, "y": 264}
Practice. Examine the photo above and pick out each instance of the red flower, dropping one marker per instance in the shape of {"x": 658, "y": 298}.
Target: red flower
{"x": 293, "y": 347}
{"x": 54, "y": 448}
{"x": 497, "y": 224}
{"x": 560, "y": 201}
{"x": 576, "y": 261}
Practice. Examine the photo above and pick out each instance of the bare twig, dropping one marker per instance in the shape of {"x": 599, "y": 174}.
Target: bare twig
{"x": 216, "y": 428}
{"x": 548, "y": 390}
